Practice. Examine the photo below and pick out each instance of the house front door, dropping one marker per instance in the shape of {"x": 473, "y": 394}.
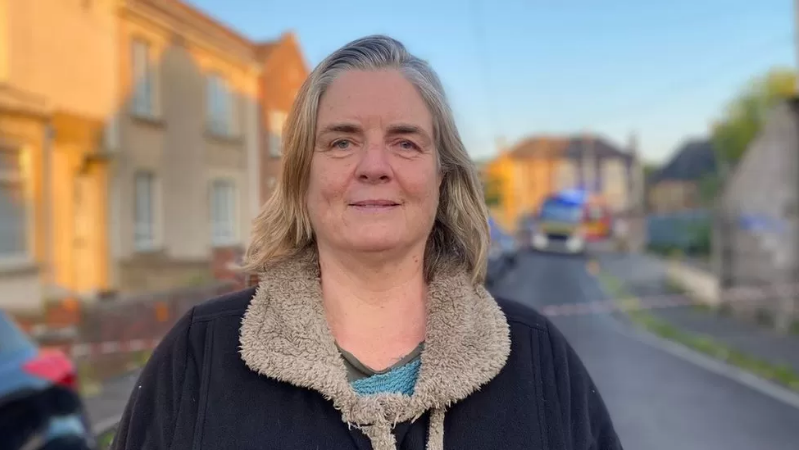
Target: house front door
{"x": 86, "y": 230}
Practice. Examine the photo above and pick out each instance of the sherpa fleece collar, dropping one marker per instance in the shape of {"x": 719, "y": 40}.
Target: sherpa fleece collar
{"x": 285, "y": 336}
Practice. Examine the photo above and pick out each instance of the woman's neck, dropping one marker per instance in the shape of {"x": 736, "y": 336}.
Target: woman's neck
{"x": 375, "y": 311}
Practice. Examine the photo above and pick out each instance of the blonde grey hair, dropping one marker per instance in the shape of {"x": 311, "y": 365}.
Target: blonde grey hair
{"x": 460, "y": 233}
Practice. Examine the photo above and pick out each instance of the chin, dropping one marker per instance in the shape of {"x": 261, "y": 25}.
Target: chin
{"x": 375, "y": 245}
{"x": 371, "y": 240}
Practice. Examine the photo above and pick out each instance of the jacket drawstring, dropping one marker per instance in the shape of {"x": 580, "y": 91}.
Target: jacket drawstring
{"x": 381, "y": 437}
{"x": 435, "y": 432}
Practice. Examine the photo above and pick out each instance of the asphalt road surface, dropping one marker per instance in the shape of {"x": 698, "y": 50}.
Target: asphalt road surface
{"x": 105, "y": 408}
{"x": 657, "y": 399}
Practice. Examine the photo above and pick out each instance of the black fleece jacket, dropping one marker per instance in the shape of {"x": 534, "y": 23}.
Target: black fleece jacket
{"x": 197, "y": 393}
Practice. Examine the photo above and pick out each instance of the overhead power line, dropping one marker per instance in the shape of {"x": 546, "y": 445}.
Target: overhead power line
{"x": 484, "y": 63}
{"x": 674, "y": 90}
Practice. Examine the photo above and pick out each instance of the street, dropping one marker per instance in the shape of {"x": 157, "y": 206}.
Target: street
{"x": 106, "y": 408}
{"x": 658, "y": 400}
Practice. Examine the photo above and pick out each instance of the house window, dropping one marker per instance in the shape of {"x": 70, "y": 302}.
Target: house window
{"x": 223, "y": 212}
{"x": 145, "y": 201}
{"x": 13, "y": 206}
{"x": 276, "y": 121}
{"x": 143, "y": 80}
{"x": 221, "y": 105}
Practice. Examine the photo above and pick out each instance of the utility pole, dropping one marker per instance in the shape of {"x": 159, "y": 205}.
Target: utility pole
{"x": 589, "y": 163}
{"x": 796, "y": 37}
{"x": 791, "y": 304}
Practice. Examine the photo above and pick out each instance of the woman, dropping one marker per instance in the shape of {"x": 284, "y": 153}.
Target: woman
{"x": 370, "y": 328}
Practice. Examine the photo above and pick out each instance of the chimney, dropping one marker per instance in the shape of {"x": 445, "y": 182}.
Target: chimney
{"x": 632, "y": 143}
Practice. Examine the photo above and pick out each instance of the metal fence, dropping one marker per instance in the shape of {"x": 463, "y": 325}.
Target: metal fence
{"x": 144, "y": 316}
{"x": 132, "y": 323}
{"x": 685, "y": 231}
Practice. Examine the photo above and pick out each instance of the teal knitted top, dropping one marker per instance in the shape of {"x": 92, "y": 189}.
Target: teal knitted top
{"x": 399, "y": 380}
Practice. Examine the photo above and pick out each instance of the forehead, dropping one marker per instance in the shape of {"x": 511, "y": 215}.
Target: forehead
{"x": 365, "y": 96}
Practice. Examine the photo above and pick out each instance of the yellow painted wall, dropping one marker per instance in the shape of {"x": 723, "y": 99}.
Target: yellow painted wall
{"x": 19, "y": 285}
{"x": 4, "y": 40}
{"x": 526, "y": 182}
{"x": 64, "y": 50}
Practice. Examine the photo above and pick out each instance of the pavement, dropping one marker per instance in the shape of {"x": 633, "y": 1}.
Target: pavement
{"x": 660, "y": 397}
{"x": 644, "y": 275}
{"x": 105, "y": 408}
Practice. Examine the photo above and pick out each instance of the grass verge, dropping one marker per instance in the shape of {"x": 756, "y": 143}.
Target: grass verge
{"x": 781, "y": 374}
{"x": 105, "y": 439}
{"x": 93, "y": 373}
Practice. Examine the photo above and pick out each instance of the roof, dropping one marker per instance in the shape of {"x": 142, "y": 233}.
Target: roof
{"x": 601, "y": 148}
{"x": 192, "y": 11}
{"x": 266, "y": 49}
{"x": 540, "y": 146}
{"x": 692, "y": 161}
{"x": 574, "y": 147}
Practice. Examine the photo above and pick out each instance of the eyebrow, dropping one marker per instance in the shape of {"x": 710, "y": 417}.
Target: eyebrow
{"x": 341, "y": 128}
{"x": 396, "y": 129}
{"x": 405, "y": 129}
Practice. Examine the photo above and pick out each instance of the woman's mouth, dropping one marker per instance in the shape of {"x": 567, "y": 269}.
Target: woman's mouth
{"x": 374, "y": 205}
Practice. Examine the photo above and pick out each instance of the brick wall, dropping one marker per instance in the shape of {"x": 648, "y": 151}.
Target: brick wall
{"x": 224, "y": 265}
{"x": 283, "y": 75}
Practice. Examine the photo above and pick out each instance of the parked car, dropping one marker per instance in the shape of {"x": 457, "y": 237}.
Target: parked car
{"x": 40, "y": 408}
{"x": 501, "y": 253}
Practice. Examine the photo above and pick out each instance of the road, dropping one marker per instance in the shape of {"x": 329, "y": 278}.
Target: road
{"x": 658, "y": 400}
{"x": 105, "y": 408}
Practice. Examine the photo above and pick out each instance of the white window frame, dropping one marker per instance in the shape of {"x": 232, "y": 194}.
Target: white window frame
{"x": 224, "y": 216}
{"x": 221, "y": 106}
{"x": 19, "y": 177}
{"x": 147, "y": 235}
{"x": 277, "y": 120}
{"x": 144, "y": 83}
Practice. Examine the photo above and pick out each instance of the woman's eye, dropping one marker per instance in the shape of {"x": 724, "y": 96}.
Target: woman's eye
{"x": 408, "y": 145}
{"x": 342, "y": 144}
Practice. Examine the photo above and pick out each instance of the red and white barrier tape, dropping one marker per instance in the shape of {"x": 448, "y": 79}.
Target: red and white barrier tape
{"x": 736, "y": 295}
{"x": 95, "y": 349}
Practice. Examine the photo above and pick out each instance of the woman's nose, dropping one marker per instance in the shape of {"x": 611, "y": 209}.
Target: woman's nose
{"x": 374, "y": 164}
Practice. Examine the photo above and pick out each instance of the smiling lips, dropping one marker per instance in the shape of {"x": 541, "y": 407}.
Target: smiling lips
{"x": 374, "y": 205}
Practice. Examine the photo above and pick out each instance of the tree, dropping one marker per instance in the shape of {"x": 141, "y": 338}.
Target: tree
{"x": 745, "y": 114}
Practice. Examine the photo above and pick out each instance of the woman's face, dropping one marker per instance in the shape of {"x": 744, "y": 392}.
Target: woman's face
{"x": 374, "y": 178}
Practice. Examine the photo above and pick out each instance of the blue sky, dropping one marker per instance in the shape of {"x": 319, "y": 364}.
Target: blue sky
{"x": 512, "y": 68}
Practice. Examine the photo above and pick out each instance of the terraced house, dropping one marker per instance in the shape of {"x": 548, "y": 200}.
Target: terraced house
{"x": 539, "y": 166}
{"x": 57, "y": 98}
{"x": 133, "y": 143}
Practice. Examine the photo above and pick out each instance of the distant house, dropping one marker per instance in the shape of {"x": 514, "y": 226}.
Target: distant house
{"x": 677, "y": 185}
{"x": 539, "y": 166}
